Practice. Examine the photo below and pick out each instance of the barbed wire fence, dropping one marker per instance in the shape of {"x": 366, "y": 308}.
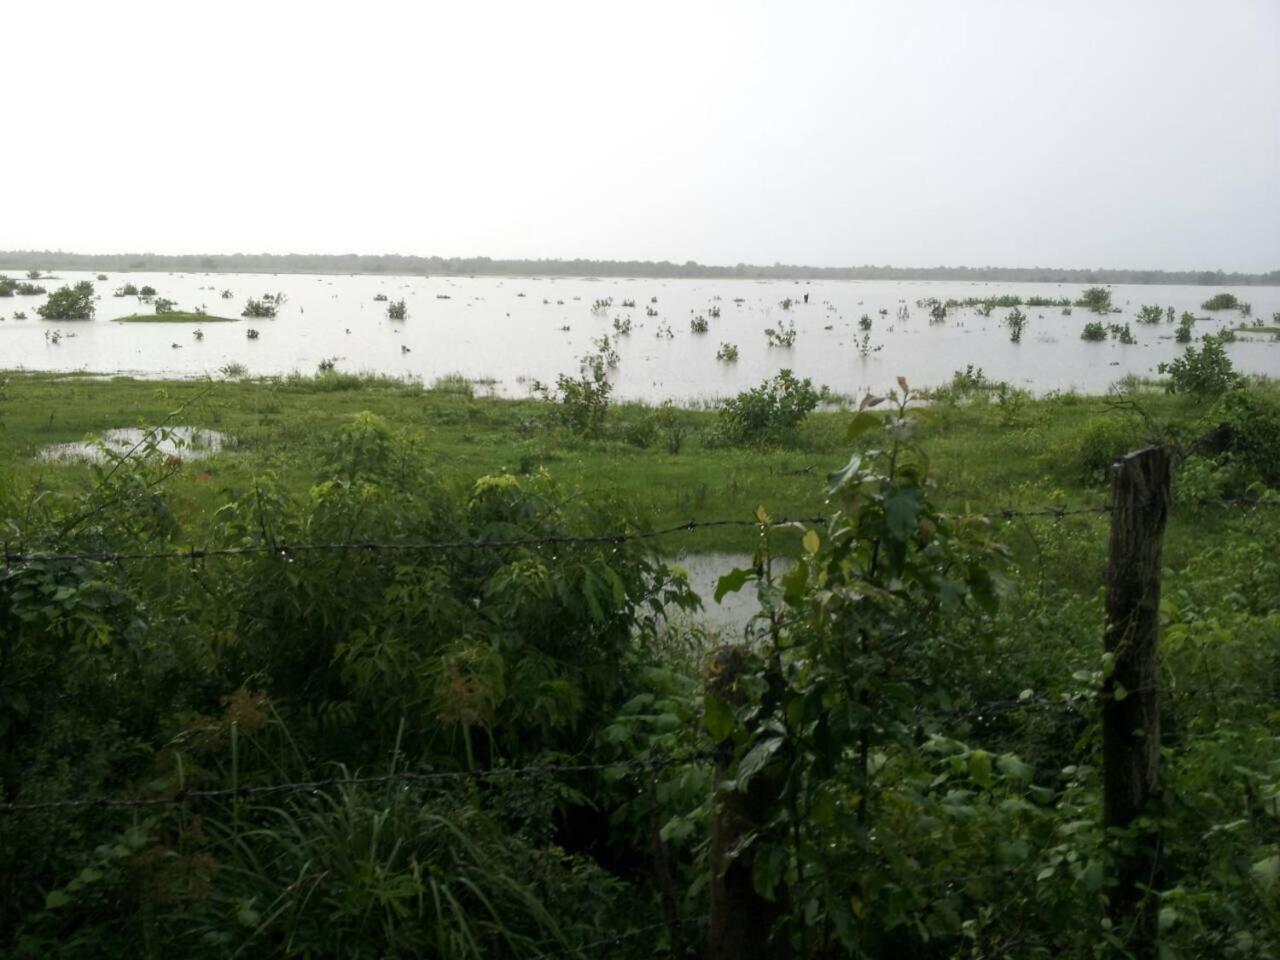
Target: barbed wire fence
{"x": 283, "y": 548}
{"x": 1101, "y": 701}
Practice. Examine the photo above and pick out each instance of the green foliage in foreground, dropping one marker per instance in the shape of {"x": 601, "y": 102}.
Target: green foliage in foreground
{"x": 912, "y": 820}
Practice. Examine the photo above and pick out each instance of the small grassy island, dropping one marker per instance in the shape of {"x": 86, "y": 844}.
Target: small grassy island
{"x": 176, "y": 317}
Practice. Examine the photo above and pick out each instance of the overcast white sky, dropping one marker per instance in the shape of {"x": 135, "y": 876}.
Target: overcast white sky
{"x": 1116, "y": 133}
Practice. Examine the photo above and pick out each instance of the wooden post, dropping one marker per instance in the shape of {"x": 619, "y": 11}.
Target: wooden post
{"x": 1140, "y": 496}
{"x": 741, "y": 920}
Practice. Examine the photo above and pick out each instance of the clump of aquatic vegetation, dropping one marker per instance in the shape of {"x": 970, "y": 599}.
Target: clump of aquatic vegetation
{"x": 628, "y": 304}
{"x": 1221, "y": 301}
{"x": 1097, "y": 299}
{"x": 226, "y": 294}
{"x": 258, "y": 309}
{"x": 786, "y": 303}
{"x": 147, "y": 291}
{"x": 713, "y": 312}
{"x": 602, "y": 306}
{"x": 380, "y": 298}
{"x": 650, "y": 312}
{"x": 865, "y": 347}
{"x": 728, "y": 353}
{"x": 1016, "y": 321}
{"x": 1183, "y": 334}
{"x": 251, "y": 333}
{"x": 622, "y": 326}
{"x": 699, "y": 324}
{"x": 783, "y": 336}
{"x": 396, "y": 310}
{"x": 864, "y": 322}
{"x": 1121, "y": 332}
{"x": 1150, "y": 313}
{"x": 22, "y": 288}
{"x": 69, "y": 303}
{"x": 164, "y": 306}
{"x": 328, "y": 364}
{"x": 664, "y": 331}
{"x": 606, "y": 352}
{"x": 1094, "y": 330}
{"x": 128, "y": 290}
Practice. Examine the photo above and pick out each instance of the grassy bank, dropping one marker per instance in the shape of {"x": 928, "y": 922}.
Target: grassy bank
{"x": 988, "y": 454}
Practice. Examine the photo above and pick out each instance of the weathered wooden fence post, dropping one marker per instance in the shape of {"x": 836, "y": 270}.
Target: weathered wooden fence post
{"x": 1140, "y": 496}
{"x": 741, "y": 920}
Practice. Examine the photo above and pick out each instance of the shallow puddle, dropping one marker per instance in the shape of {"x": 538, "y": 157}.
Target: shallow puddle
{"x": 185, "y": 443}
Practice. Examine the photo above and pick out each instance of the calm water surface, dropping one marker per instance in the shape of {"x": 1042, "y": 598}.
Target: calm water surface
{"x": 511, "y": 331}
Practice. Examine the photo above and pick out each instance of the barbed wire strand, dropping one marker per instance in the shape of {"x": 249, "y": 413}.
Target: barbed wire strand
{"x": 283, "y": 548}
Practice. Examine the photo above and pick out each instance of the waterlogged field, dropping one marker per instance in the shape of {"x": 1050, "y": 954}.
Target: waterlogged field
{"x": 509, "y": 332}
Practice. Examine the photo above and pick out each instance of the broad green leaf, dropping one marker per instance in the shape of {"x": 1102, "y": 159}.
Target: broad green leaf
{"x": 732, "y": 582}
{"x": 1267, "y": 872}
{"x": 860, "y": 424}
{"x": 756, "y": 759}
{"x": 811, "y": 542}
{"x": 901, "y": 512}
{"x": 55, "y": 899}
{"x": 980, "y": 767}
{"x": 1012, "y": 767}
{"x": 767, "y": 871}
{"x": 717, "y": 717}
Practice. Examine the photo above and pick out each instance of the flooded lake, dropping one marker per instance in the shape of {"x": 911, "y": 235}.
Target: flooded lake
{"x": 511, "y": 331}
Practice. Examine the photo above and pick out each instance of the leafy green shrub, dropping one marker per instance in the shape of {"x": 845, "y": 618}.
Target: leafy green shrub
{"x": 69, "y": 303}
{"x": 258, "y": 308}
{"x": 1150, "y": 314}
{"x": 1253, "y": 423}
{"x": 1016, "y": 321}
{"x": 768, "y": 413}
{"x": 1094, "y": 330}
{"x": 1102, "y": 441}
{"x": 580, "y": 403}
{"x": 1097, "y": 299}
{"x": 1221, "y": 301}
{"x": 728, "y": 353}
{"x": 1204, "y": 372}
{"x": 396, "y": 310}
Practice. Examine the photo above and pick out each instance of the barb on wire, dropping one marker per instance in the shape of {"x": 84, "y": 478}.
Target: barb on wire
{"x": 406, "y": 778}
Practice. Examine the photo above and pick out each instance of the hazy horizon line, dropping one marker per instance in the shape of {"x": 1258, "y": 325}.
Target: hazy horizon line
{"x": 378, "y": 262}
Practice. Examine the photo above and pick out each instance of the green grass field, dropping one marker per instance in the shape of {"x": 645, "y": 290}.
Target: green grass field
{"x": 987, "y": 456}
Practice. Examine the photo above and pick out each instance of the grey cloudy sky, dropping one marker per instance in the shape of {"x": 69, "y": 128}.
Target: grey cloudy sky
{"x": 1119, "y": 133}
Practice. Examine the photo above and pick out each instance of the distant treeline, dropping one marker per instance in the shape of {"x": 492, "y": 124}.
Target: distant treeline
{"x": 486, "y": 266}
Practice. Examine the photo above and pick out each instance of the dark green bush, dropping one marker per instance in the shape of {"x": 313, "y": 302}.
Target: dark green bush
{"x": 769, "y": 413}
{"x": 1204, "y": 372}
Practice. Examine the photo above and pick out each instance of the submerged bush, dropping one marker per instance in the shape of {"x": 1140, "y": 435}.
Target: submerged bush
{"x": 1093, "y": 330}
{"x": 1221, "y": 301}
{"x": 69, "y": 303}
{"x": 1097, "y": 299}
